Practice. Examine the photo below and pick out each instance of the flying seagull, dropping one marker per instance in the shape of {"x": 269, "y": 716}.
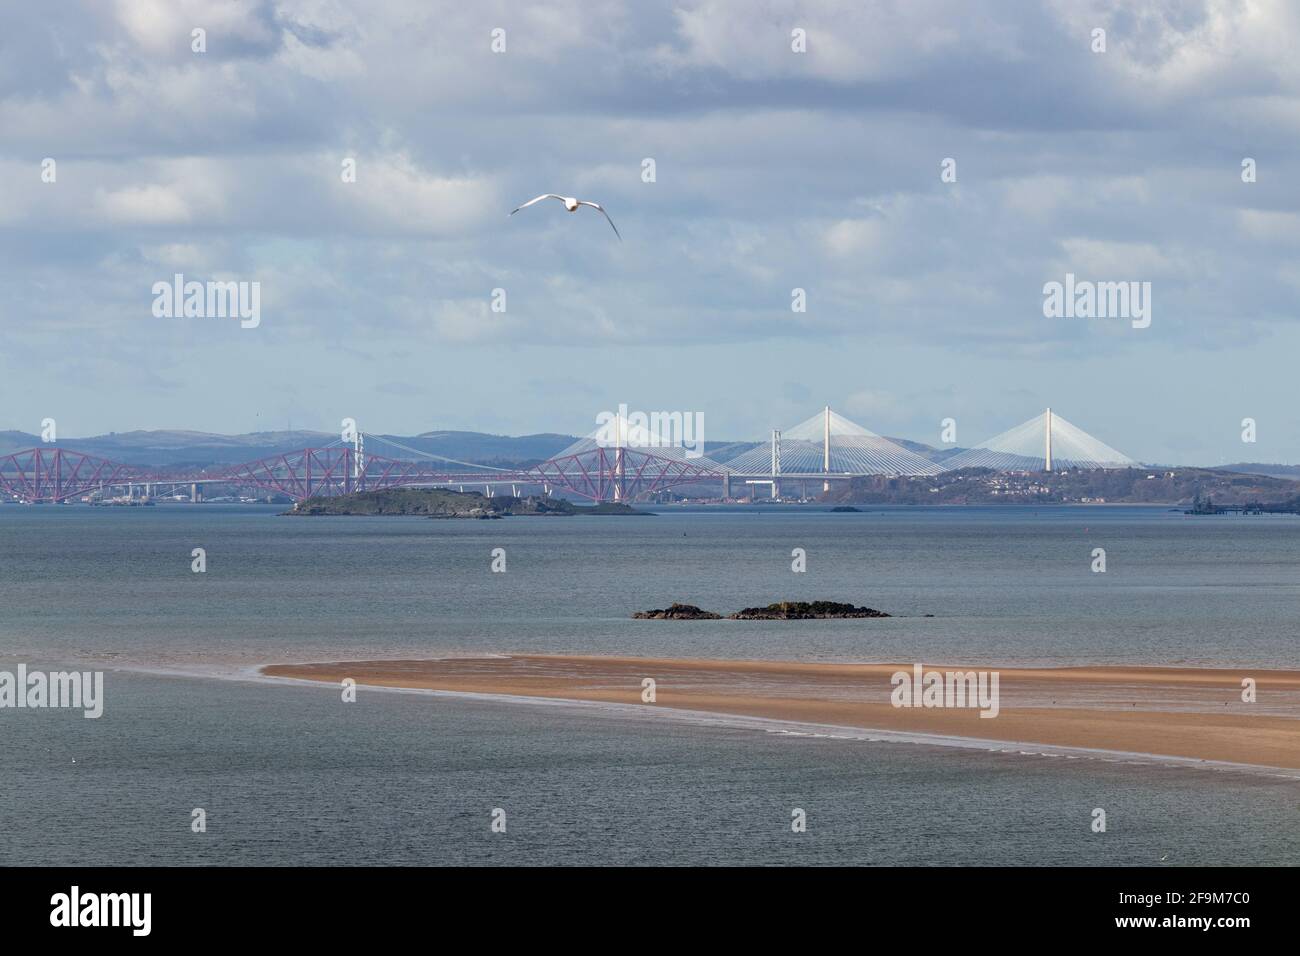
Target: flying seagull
{"x": 572, "y": 205}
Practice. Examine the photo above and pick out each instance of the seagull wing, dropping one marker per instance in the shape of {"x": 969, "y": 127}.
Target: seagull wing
{"x": 538, "y": 199}
{"x": 596, "y": 205}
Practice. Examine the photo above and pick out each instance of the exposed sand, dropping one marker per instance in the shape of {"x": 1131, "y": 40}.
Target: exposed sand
{"x": 1171, "y": 711}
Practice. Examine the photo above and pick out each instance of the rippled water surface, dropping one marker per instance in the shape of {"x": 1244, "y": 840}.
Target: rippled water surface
{"x": 290, "y": 774}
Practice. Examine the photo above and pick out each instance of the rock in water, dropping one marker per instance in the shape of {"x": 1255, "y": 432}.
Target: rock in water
{"x": 678, "y": 612}
{"x": 803, "y": 611}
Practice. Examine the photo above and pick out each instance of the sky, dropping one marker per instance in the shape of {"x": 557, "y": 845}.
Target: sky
{"x": 774, "y": 170}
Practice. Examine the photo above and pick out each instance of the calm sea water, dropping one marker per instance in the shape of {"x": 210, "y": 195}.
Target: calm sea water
{"x": 1006, "y": 586}
{"x": 289, "y": 775}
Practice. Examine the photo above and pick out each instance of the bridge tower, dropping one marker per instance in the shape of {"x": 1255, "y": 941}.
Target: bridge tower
{"x": 359, "y": 461}
{"x": 620, "y": 459}
{"x": 1048, "y": 433}
{"x": 826, "y": 448}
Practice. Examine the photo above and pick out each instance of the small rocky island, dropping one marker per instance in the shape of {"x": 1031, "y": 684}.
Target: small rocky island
{"x": 677, "y": 612}
{"x": 443, "y": 503}
{"x": 804, "y": 611}
{"x": 781, "y": 611}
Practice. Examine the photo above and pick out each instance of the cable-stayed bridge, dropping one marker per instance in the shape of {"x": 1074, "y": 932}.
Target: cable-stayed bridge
{"x": 830, "y": 444}
{"x": 619, "y": 462}
{"x": 1046, "y": 442}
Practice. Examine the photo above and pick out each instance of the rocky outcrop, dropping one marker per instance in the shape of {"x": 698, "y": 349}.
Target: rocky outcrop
{"x": 444, "y": 503}
{"x": 804, "y": 611}
{"x": 781, "y": 611}
{"x": 678, "y": 612}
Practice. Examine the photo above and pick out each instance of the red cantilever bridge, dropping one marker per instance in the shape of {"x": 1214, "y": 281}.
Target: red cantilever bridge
{"x": 825, "y": 448}
{"x": 52, "y": 474}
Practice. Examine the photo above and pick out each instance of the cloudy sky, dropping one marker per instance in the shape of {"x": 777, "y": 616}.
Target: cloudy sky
{"x": 774, "y": 170}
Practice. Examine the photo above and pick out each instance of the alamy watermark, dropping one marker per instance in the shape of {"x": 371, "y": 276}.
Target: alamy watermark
{"x": 624, "y": 429}
{"x": 922, "y": 688}
{"x": 129, "y": 910}
{"x": 56, "y": 689}
{"x": 208, "y": 300}
{"x": 1084, "y": 299}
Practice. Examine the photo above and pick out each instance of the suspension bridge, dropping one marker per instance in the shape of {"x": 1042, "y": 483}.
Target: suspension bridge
{"x": 620, "y": 463}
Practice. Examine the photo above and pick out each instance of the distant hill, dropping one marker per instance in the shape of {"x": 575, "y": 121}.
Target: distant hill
{"x": 1117, "y": 486}
{"x": 477, "y": 447}
{"x": 725, "y": 451}
{"x": 194, "y": 449}
{"x": 927, "y": 451}
{"x": 174, "y": 447}
{"x": 11, "y": 441}
{"x": 1258, "y": 468}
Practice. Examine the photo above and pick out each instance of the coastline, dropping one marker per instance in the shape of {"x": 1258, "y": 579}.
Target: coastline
{"x": 1189, "y": 714}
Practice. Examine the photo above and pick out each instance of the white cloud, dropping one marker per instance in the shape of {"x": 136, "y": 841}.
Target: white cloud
{"x": 846, "y": 41}
{"x": 163, "y": 27}
{"x": 1269, "y": 225}
{"x": 465, "y": 321}
{"x": 1101, "y": 259}
{"x": 775, "y": 170}
{"x": 151, "y": 205}
{"x": 391, "y": 192}
{"x": 855, "y": 237}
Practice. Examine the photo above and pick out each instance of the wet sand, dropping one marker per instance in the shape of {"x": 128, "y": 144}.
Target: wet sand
{"x": 1170, "y": 711}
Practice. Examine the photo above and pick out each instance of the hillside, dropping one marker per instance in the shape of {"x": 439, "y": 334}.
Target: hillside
{"x": 181, "y": 448}
{"x": 1119, "y": 486}
{"x": 1262, "y": 468}
{"x": 441, "y": 503}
